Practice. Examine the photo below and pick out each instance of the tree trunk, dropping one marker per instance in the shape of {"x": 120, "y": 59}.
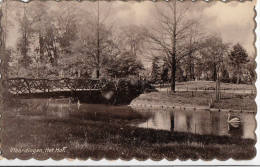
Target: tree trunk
{"x": 97, "y": 73}
{"x": 238, "y": 76}
{"x": 193, "y": 71}
{"x": 192, "y": 76}
{"x": 173, "y": 73}
{"x": 98, "y": 45}
{"x": 174, "y": 51}
{"x": 191, "y": 65}
{"x": 41, "y": 46}
{"x": 172, "y": 122}
{"x": 190, "y": 68}
{"x": 214, "y": 73}
{"x": 217, "y": 88}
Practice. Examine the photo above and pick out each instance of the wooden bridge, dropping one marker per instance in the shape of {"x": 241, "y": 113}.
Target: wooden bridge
{"x": 20, "y": 86}
{"x": 89, "y": 90}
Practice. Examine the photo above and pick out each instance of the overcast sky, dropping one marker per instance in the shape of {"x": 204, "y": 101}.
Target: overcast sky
{"x": 234, "y": 21}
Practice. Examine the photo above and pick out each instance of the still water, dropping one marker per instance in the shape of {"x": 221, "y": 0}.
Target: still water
{"x": 195, "y": 122}
{"x": 201, "y": 122}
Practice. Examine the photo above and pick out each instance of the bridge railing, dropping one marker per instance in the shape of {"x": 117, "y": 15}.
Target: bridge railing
{"x": 26, "y": 85}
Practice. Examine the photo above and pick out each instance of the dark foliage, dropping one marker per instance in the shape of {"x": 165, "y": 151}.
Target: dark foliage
{"x": 238, "y": 57}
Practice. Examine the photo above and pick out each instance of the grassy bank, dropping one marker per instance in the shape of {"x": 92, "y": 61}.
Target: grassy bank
{"x": 209, "y": 85}
{"x": 196, "y": 99}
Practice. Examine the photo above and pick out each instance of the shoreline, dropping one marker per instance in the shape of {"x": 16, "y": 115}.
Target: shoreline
{"x": 186, "y": 108}
{"x": 163, "y": 100}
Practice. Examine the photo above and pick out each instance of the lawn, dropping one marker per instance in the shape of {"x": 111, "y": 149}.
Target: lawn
{"x": 197, "y": 99}
{"x": 210, "y": 85}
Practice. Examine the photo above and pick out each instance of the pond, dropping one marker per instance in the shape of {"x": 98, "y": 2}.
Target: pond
{"x": 104, "y": 130}
{"x": 201, "y": 122}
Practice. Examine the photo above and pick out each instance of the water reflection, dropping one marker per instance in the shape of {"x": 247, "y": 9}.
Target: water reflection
{"x": 62, "y": 108}
{"x": 200, "y": 122}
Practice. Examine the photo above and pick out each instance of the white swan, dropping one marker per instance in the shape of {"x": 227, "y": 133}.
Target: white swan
{"x": 233, "y": 119}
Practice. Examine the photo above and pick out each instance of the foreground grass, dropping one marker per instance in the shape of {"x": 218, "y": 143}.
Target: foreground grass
{"x": 228, "y": 101}
{"x": 108, "y": 135}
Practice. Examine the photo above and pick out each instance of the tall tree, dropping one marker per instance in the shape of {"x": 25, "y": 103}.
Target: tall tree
{"x": 251, "y": 66}
{"x": 96, "y": 43}
{"x": 38, "y": 11}
{"x": 24, "y": 41}
{"x": 170, "y": 33}
{"x": 132, "y": 40}
{"x": 238, "y": 57}
{"x": 130, "y": 46}
{"x": 193, "y": 44}
{"x": 155, "y": 75}
{"x": 93, "y": 56}
{"x": 5, "y": 56}
{"x": 164, "y": 74}
{"x": 53, "y": 38}
{"x": 213, "y": 53}
{"x": 67, "y": 30}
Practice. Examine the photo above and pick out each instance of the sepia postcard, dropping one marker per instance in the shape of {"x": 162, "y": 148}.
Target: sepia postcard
{"x": 128, "y": 80}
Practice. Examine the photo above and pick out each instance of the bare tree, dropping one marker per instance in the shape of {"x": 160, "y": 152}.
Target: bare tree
{"x": 170, "y": 34}
{"x": 193, "y": 45}
{"x": 95, "y": 56}
{"x": 67, "y": 30}
{"x": 96, "y": 43}
{"x": 132, "y": 40}
{"x": 102, "y": 41}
